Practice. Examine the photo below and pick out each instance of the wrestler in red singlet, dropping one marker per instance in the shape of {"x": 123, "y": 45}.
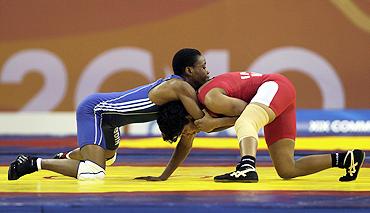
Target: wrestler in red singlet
{"x": 278, "y": 93}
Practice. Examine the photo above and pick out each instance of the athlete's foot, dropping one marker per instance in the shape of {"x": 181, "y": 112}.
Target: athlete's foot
{"x": 21, "y": 166}
{"x": 352, "y": 163}
{"x": 248, "y": 175}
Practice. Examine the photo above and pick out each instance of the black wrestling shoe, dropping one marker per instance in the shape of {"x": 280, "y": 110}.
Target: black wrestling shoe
{"x": 21, "y": 166}
{"x": 248, "y": 175}
{"x": 61, "y": 155}
{"x": 352, "y": 163}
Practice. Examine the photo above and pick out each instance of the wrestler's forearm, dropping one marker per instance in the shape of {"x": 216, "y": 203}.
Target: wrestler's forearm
{"x": 225, "y": 121}
{"x": 180, "y": 153}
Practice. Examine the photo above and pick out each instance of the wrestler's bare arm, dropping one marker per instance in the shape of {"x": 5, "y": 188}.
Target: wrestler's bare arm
{"x": 177, "y": 90}
{"x": 217, "y": 102}
{"x": 220, "y": 103}
{"x": 212, "y": 124}
{"x": 187, "y": 95}
{"x": 180, "y": 153}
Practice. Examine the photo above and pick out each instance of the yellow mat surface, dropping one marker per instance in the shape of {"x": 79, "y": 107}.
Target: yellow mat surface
{"x": 302, "y": 143}
{"x": 120, "y": 179}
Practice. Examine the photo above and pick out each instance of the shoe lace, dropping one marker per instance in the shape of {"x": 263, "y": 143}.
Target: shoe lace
{"x": 22, "y": 159}
{"x": 243, "y": 173}
{"x": 351, "y": 170}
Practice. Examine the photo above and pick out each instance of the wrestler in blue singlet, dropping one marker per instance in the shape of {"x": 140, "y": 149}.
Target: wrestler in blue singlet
{"x": 100, "y": 115}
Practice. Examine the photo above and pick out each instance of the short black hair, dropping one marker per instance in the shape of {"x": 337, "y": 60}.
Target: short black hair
{"x": 185, "y": 57}
{"x": 171, "y": 120}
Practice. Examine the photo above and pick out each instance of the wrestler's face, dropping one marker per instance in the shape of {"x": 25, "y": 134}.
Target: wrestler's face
{"x": 199, "y": 72}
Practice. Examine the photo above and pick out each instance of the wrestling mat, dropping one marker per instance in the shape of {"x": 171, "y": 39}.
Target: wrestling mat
{"x": 191, "y": 188}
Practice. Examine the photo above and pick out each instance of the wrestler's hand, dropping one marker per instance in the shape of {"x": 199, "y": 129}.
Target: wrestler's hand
{"x": 190, "y": 129}
{"x": 150, "y": 178}
{"x": 205, "y": 124}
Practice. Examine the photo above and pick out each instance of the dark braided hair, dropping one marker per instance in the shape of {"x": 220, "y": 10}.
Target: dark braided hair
{"x": 171, "y": 120}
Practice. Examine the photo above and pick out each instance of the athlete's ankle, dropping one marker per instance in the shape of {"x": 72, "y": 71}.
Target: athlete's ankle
{"x": 337, "y": 159}
{"x": 38, "y": 163}
{"x": 246, "y": 162}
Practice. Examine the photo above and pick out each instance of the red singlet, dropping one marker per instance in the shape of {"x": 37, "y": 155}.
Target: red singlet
{"x": 273, "y": 90}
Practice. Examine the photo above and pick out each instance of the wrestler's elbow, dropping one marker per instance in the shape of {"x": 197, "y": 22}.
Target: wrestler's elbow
{"x": 236, "y": 109}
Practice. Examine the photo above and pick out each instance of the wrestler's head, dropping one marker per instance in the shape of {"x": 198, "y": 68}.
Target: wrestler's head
{"x": 191, "y": 65}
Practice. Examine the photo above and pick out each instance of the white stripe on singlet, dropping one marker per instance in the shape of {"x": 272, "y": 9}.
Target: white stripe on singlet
{"x": 111, "y": 107}
{"x": 119, "y": 107}
{"x": 101, "y": 130}
{"x": 124, "y": 103}
{"x": 119, "y": 111}
{"x": 95, "y": 128}
{"x": 128, "y": 110}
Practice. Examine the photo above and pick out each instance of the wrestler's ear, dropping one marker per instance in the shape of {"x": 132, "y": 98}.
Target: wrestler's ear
{"x": 189, "y": 70}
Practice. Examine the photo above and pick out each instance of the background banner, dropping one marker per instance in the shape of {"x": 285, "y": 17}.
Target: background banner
{"x": 333, "y": 122}
{"x": 61, "y": 124}
{"x": 54, "y": 53}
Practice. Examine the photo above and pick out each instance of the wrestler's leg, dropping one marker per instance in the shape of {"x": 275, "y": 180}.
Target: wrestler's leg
{"x": 282, "y": 156}
{"x": 111, "y": 141}
{"x": 76, "y": 154}
{"x": 93, "y": 162}
{"x": 69, "y": 167}
{"x": 248, "y": 145}
{"x": 254, "y": 117}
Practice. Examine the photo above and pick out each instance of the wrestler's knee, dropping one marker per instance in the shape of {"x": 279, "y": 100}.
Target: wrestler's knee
{"x": 88, "y": 170}
{"x": 250, "y": 121}
{"x": 285, "y": 173}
